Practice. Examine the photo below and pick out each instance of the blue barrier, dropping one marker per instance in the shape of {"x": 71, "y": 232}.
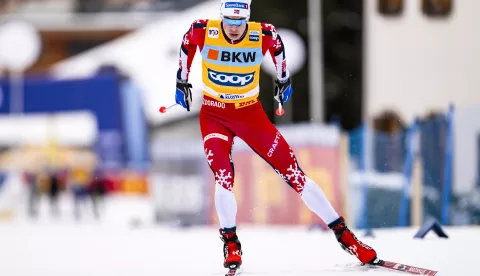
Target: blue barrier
{"x": 447, "y": 178}
{"x": 407, "y": 173}
{"x": 376, "y": 153}
{"x": 379, "y": 157}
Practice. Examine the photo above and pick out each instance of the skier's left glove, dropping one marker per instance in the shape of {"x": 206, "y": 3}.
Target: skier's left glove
{"x": 283, "y": 90}
{"x": 183, "y": 95}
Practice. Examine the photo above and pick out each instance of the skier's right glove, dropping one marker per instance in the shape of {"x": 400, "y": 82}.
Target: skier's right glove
{"x": 183, "y": 95}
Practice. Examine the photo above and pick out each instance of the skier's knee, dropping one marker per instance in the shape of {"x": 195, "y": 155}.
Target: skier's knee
{"x": 294, "y": 177}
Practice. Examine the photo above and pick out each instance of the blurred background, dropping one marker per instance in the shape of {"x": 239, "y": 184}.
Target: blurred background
{"x": 384, "y": 114}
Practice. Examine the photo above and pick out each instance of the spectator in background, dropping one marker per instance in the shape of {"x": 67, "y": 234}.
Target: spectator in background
{"x": 78, "y": 182}
{"x": 54, "y": 191}
{"x": 42, "y": 182}
{"x": 98, "y": 189}
{"x": 30, "y": 179}
{"x": 87, "y": 187}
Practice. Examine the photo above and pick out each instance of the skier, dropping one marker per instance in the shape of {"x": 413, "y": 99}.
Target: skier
{"x": 232, "y": 50}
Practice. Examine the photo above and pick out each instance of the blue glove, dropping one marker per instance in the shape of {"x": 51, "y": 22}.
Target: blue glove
{"x": 183, "y": 94}
{"x": 283, "y": 91}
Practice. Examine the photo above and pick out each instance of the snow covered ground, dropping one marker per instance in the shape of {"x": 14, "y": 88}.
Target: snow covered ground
{"x": 55, "y": 248}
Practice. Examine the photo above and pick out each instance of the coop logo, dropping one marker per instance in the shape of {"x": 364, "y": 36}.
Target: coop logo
{"x": 228, "y": 79}
{"x": 236, "y": 5}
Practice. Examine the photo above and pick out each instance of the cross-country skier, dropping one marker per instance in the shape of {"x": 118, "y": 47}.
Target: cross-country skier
{"x": 232, "y": 50}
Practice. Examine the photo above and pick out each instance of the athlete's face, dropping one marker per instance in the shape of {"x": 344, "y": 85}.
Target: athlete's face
{"x": 234, "y": 26}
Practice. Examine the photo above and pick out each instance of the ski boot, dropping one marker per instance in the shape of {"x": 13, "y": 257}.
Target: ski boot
{"x": 349, "y": 242}
{"x": 232, "y": 250}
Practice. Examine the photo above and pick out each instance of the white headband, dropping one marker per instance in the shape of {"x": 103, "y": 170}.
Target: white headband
{"x": 235, "y": 8}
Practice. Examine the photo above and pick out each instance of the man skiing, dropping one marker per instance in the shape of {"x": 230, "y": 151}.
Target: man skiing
{"x": 232, "y": 50}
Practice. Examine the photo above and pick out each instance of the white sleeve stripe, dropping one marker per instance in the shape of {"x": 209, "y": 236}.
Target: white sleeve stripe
{"x": 183, "y": 64}
{"x": 281, "y": 74}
